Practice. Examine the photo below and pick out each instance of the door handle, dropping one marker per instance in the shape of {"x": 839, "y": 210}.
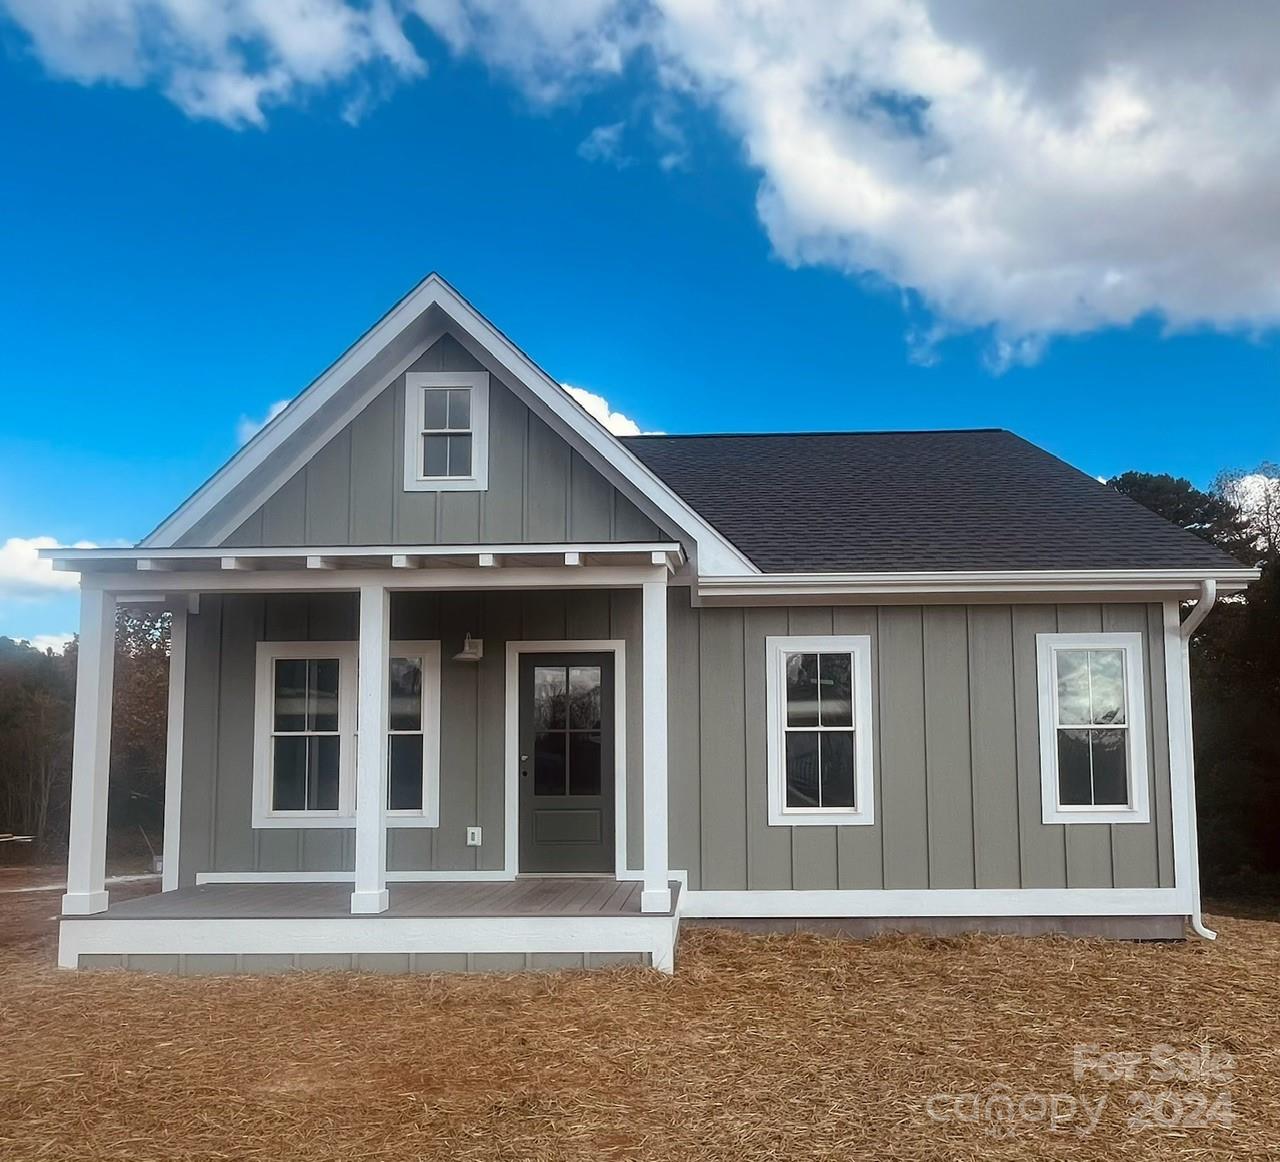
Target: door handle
{"x": 524, "y": 768}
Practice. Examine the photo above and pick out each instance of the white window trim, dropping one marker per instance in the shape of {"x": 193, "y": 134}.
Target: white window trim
{"x": 1130, "y": 644}
{"x": 263, "y": 709}
{"x": 415, "y": 382}
{"x": 776, "y": 649}
{"x": 429, "y": 816}
{"x": 347, "y": 653}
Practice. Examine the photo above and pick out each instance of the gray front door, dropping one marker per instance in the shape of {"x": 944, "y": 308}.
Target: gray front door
{"x": 566, "y": 763}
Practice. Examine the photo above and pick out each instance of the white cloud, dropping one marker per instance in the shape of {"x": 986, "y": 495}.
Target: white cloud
{"x": 247, "y": 427}
{"x": 57, "y": 642}
{"x": 604, "y": 143}
{"x": 226, "y": 60}
{"x": 24, "y": 575}
{"x": 1034, "y": 170}
{"x": 598, "y": 408}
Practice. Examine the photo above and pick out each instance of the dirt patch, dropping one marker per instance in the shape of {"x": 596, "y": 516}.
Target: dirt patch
{"x": 759, "y": 1048}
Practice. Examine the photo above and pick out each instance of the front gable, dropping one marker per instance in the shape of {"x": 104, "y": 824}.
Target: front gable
{"x": 352, "y": 491}
{"x": 330, "y": 469}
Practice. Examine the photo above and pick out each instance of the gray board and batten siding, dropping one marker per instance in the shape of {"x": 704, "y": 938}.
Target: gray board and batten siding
{"x": 351, "y": 492}
{"x": 217, "y": 833}
{"x": 957, "y": 779}
{"x": 957, "y": 753}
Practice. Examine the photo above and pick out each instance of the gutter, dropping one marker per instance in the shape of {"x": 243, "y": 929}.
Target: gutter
{"x": 1208, "y": 597}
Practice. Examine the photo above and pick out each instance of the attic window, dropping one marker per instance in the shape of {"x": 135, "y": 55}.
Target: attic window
{"x": 446, "y": 437}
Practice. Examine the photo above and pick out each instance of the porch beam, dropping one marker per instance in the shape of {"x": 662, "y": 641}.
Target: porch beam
{"x": 370, "y": 894}
{"x": 91, "y": 757}
{"x": 656, "y": 894}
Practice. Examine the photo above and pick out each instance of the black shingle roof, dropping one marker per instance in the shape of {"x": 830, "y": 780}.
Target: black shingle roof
{"x": 914, "y": 501}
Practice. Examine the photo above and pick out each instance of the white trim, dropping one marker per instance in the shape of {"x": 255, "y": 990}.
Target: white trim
{"x": 993, "y": 584}
{"x": 416, "y": 385}
{"x": 347, "y": 581}
{"x": 346, "y": 877}
{"x": 1182, "y": 790}
{"x": 608, "y": 454}
{"x": 656, "y": 896}
{"x": 875, "y": 902}
{"x": 429, "y": 816}
{"x": 1137, "y": 770}
{"x": 859, "y": 647}
{"x": 173, "y": 748}
{"x": 91, "y": 757}
{"x": 333, "y": 556}
{"x": 511, "y": 748}
{"x": 372, "y": 683}
{"x": 655, "y": 935}
{"x": 263, "y": 705}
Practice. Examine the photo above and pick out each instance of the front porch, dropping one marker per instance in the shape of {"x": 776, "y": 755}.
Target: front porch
{"x": 317, "y": 807}
{"x": 439, "y": 926}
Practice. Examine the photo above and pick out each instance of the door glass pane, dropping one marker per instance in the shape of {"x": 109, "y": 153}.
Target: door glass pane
{"x": 802, "y": 768}
{"x": 435, "y": 413}
{"x": 1073, "y": 687}
{"x": 802, "y": 689}
{"x": 550, "y": 685}
{"x": 1110, "y": 782}
{"x": 289, "y": 770}
{"x": 835, "y": 674}
{"x": 549, "y": 763}
{"x": 1106, "y": 679}
{"x": 1074, "y": 784}
{"x": 405, "y": 694}
{"x": 404, "y": 779}
{"x": 435, "y": 456}
{"x": 322, "y": 691}
{"x": 584, "y": 763}
{"x": 291, "y": 694}
{"x": 584, "y": 697}
{"x": 837, "y": 768}
{"x": 322, "y": 773}
{"x": 459, "y": 455}
{"x": 459, "y": 408}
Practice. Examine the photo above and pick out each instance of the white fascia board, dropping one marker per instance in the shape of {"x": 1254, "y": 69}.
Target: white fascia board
{"x": 716, "y": 554}
{"x": 780, "y": 588}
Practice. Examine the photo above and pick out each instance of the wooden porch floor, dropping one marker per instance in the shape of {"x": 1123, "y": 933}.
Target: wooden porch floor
{"x": 568, "y": 896}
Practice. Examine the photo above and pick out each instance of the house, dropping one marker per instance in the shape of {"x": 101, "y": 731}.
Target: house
{"x": 461, "y": 680}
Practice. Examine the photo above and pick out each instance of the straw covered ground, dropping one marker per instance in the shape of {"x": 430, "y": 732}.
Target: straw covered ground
{"x": 760, "y": 1047}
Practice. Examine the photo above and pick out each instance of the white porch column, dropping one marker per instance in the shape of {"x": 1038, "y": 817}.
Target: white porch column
{"x": 656, "y": 895}
{"x": 370, "y": 893}
{"x": 91, "y": 756}
{"x": 173, "y": 747}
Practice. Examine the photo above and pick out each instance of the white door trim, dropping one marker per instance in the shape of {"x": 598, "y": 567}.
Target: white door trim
{"x": 618, "y": 648}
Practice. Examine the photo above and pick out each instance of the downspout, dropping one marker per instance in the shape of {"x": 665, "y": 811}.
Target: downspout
{"x": 1208, "y": 596}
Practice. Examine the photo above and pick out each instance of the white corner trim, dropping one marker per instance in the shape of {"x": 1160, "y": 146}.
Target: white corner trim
{"x": 416, "y": 384}
{"x": 776, "y": 649}
{"x": 267, "y": 653}
{"x": 173, "y": 748}
{"x": 1182, "y": 792}
{"x": 511, "y": 748}
{"x": 872, "y": 902}
{"x": 1131, "y": 645}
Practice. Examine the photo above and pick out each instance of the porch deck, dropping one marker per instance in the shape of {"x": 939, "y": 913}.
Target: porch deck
{"x": 529, "y": 896}
{"x": 507, "y": 925}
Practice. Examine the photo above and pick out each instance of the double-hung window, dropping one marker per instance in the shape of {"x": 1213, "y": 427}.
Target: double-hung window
{"x": 1093, "y": 735}
{"x": 413, "y": 735}
{"x": 819, "y": 722}
{"x": 446, "y": 438}
{"x": 305, "y": 734}
{"x": 305, "y": 725}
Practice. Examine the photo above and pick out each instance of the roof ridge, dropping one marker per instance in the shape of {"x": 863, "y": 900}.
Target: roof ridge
{"x": 837, "y": 432}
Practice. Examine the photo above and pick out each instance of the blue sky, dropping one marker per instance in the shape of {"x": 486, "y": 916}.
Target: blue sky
{"x": 170, "y": 274}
